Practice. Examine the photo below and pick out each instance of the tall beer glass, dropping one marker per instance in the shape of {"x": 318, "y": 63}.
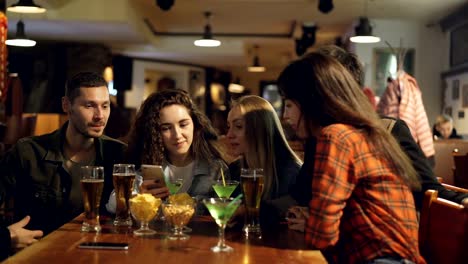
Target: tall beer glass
{"x": 252, "y": 182}
{"x": 123, "y": 179}
{"x": 92, "y": 183}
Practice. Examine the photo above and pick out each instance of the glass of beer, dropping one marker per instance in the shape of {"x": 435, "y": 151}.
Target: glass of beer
{"x": 252, "y": 182}
{"x": 123, "y": 179}
{"x": 92, "y": 183}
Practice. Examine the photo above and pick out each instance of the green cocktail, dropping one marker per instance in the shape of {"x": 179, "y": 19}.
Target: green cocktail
{"x": 174, "y": 186}
{"x": 225, "y": 191}
{"x": 222, "y": 210}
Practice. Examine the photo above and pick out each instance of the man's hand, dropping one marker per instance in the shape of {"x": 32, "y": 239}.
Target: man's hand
{"x": 297, "y": 217}
{"x": 20, "y": 237}
{"x": 237, "y": 217}
{"x": 464, "y": 202}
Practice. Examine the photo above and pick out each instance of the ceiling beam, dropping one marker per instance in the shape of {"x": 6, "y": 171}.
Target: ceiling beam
{"x": 288, "y": 35}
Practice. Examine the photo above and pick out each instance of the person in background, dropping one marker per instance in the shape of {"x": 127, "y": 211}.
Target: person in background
{"x": 443, "y": 128}
{"x": 361, "y": 208}
{"x": 41, "y": 174}
{"x": 255, "y": 133}
{"x": 170, "y": 131}
{"x": 15, "y": 237}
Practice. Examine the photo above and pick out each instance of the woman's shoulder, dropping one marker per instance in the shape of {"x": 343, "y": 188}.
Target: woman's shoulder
{"x": 339, "y": 131}
{"x": 341, "y": 134}
{"x": 289, "y": 166}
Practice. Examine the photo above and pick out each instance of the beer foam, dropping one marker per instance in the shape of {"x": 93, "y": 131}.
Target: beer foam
{"x": 257, "y": 175}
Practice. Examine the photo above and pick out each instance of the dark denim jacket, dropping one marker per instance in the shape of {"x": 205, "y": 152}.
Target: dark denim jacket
{"x": 32, "y": 176}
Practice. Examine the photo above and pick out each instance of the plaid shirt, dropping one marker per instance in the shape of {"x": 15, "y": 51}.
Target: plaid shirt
{"x": 360, "y": 209}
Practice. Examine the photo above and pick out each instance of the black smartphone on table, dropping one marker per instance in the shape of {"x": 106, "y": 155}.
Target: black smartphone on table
{"x": 104, "y": 245}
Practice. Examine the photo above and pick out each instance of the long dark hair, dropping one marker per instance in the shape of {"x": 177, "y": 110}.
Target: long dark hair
{"x": 328, "y": 94}
{"x": 145, "y": 141}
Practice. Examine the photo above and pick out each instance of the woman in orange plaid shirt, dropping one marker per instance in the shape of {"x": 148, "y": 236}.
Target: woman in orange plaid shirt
{"x": 362, "y": 209}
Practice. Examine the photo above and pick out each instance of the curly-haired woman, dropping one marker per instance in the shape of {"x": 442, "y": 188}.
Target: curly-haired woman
{"x": 170, "y": 131}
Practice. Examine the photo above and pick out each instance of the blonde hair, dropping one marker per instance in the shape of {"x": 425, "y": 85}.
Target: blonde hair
{"x": 265, "y": 138}
{"x": 442, "y": 119}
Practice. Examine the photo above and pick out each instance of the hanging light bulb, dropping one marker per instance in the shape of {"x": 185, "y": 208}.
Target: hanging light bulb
{"x": 26, "y": 6}
{"x": 364, "y": 30}
{"x": 20, "y": 39}
{"x": 207, "y": 40}
{"x": 256, "y": 67}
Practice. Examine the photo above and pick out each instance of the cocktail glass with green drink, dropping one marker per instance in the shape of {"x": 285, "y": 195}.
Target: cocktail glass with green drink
{"x": 174, "y": 182}
{"x": 224, "y": 186}
{"x": 225, "y": 189}
{"x": 174, "y": 185}
{"x": 222, "y": 209}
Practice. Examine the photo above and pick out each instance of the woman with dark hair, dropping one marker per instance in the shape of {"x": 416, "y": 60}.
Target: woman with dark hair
{"x": 361, "y": 208}
{"x": 170, "y": 131}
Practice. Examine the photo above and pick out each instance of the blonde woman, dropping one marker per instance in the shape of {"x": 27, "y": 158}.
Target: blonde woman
{"x": 255, "y": 133}
{"x": 443, "y": 128}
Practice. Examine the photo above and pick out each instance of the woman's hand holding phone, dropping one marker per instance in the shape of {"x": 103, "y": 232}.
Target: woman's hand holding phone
{"x": 154, "y": 188}
{"x": 153, "y": 181}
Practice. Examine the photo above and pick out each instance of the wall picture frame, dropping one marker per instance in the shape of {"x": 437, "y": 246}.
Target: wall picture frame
{"x": 458, "y": 50}
{"x": 385, "y": 64}
{"x": 465, "y": 96}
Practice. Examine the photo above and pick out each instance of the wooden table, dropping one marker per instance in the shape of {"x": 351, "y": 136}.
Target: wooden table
{"x": 278, "y": 246}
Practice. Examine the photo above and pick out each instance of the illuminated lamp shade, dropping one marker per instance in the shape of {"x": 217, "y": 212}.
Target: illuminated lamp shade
{"x": 256, "y": 67}
{"x": 364, "y": 32}
{"x": 26, "y": 6}
{"x": 236, "y": 87}
{"x": 207, "y": 40}
{"x": 20, "y": 39}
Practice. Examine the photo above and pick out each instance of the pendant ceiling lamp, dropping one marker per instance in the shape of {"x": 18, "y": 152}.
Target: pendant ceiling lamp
{"x": 364, "y": 30}
{"x": 207, "y": 40}
{"x": 20, "y": 39}
{"x": 236, "y": 87}
{"x": 26, "y": 6}
{"x": 256, "y": 67}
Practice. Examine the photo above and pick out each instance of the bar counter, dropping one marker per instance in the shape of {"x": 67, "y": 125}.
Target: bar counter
{"x": 61, "y": 246}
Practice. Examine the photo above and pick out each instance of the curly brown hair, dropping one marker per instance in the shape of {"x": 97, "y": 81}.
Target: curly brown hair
{"x": 145, "y": 141}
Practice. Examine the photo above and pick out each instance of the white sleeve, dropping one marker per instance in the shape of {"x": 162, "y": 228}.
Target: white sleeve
{"x": 110, "y": 206}
{"x": 111, "y": 203}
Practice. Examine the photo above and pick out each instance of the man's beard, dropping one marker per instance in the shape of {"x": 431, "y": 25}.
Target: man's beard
{"x": 84, "y": 132}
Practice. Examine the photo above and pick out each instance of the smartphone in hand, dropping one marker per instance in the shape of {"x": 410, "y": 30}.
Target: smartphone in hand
{"x": 104, "y": 245}
{"x": 153, "y": 172}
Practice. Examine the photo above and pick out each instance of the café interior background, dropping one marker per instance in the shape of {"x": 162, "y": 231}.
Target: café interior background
{"x": 147, "y": 44}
